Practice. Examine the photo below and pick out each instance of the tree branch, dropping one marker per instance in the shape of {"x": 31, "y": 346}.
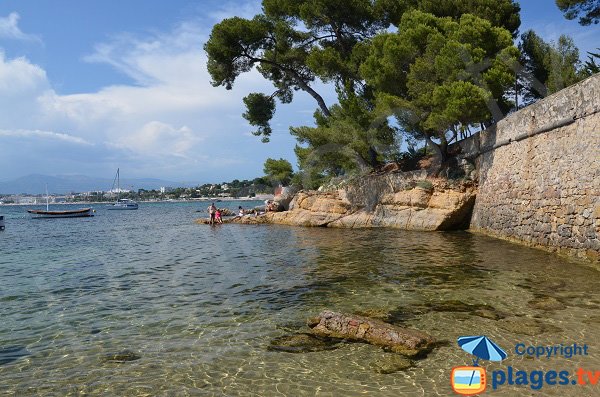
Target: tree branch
{"x": 299, "y": 81}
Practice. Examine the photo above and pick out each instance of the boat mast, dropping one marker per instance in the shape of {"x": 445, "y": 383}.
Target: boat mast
{"x": 47, "y": 204}
{"x": 118, "y": 186}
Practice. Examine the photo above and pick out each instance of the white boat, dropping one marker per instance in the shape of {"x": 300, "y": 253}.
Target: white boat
{"x": 124, "y": 204}
{"x": 121, "y": 204}
{"x": 77, "y": 213}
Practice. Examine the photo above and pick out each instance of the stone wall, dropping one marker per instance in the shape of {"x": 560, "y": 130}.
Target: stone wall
{"x": 539, "y": 173}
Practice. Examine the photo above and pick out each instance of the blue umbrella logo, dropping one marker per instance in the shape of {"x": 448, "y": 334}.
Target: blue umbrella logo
{"x": 482, "y": 348}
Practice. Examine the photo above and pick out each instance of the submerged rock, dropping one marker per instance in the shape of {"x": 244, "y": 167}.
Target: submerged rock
{"x": 529, "y": 327}
{"x": 546, "y": 303}
{"x": 122, "y": 356}
{"x": 378, "y": 314}
{"x": 408, "y": 342}
{"x": 391, "y": 363}
{"x": 302, "y": 343}
{"x": 455, "y": 306}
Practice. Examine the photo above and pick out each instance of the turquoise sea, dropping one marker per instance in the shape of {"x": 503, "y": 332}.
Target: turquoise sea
{"x": 148, "y": 303}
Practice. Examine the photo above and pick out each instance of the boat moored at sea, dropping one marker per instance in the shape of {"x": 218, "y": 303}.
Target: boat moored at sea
{"x": 121, "y": 204}
{"x": 124, "y": 204}
{"x": 77, "y": 213}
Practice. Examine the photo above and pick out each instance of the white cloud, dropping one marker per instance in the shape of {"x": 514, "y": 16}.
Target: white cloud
{"x": 19, "y": 77}
{"x": 156, "y": 138}
{"x": 169, "y": 123}
{"x": 9, "y": 29}
{"x": 44, "y": 135}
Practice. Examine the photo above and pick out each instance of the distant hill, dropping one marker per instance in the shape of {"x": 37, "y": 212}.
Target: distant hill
{"x": 61, "y": 184}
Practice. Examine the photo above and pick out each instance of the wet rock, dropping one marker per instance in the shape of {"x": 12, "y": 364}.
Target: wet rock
{"x": 391, "y": 363}
{"x": 408, "y": 342}
{"x": 546, "y": 303}
{"x": 122, "y": 356}
{"x": 302, "y": 343}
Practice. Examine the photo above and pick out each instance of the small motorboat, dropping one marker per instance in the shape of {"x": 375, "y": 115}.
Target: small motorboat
{"x": 78, "y": 213}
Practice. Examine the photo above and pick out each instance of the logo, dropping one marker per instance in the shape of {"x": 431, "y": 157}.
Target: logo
{"x": 470, "y": 380}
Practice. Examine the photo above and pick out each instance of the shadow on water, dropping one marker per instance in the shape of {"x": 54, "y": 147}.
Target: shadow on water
{"x": 12, "y": 353}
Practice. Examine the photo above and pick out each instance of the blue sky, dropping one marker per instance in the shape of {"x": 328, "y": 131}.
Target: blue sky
{"x": 89, "y": 86}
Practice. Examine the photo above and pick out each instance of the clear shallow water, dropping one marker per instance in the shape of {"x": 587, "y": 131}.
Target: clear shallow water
{"x": 200, "y": 305}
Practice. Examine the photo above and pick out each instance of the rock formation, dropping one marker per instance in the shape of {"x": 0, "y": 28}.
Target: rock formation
{"x": 391, "y": 200}
{"x": 401, "y": 340}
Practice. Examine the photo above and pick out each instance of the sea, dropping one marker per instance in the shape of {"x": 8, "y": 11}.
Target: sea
{"x": 150, "y": 303}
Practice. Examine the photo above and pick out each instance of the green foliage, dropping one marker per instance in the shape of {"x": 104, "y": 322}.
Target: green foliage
{"x": 409, "y": 159}
{"x": 232, "y": 47}
{"x": 260, "y": 110}
{"x": 534, "y": 52}
{"x": 500, "y": 13}
{"x": 563, "y": 62}
{"x": 278, "y": 171}
{"x": 439, "y": 74}
{"x": 588, "y": 11}
{"x": 292, "y": 43}
{"x": 351, "y": 138}
{"x": 591, "y": 67}
{"x": 449, "y": 61}
{"x": 553, "y": 65}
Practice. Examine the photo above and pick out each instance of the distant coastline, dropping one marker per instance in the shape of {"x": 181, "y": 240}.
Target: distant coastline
{"x": 259, "y": 197}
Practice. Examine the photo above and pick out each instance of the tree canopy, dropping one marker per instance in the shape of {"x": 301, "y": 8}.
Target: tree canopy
{"x": 278, "y": 171}
{"x": 548, "y": 67}
{"x": 588, "y": 11}
{"x": 294, "y": 43}
{"x": 437, "y": 67}
{"x": 591, "y": 66}
{"x": 438, "y": 75}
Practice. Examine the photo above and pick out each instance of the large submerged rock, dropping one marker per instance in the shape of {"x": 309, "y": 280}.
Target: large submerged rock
{"x": 401, "y": 340}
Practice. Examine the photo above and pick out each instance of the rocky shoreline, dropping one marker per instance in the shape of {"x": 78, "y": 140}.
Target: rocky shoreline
{"x": 398, "y": 200}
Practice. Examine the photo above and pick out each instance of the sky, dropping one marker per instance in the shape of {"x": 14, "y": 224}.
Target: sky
{"x": 89, "y": 86}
